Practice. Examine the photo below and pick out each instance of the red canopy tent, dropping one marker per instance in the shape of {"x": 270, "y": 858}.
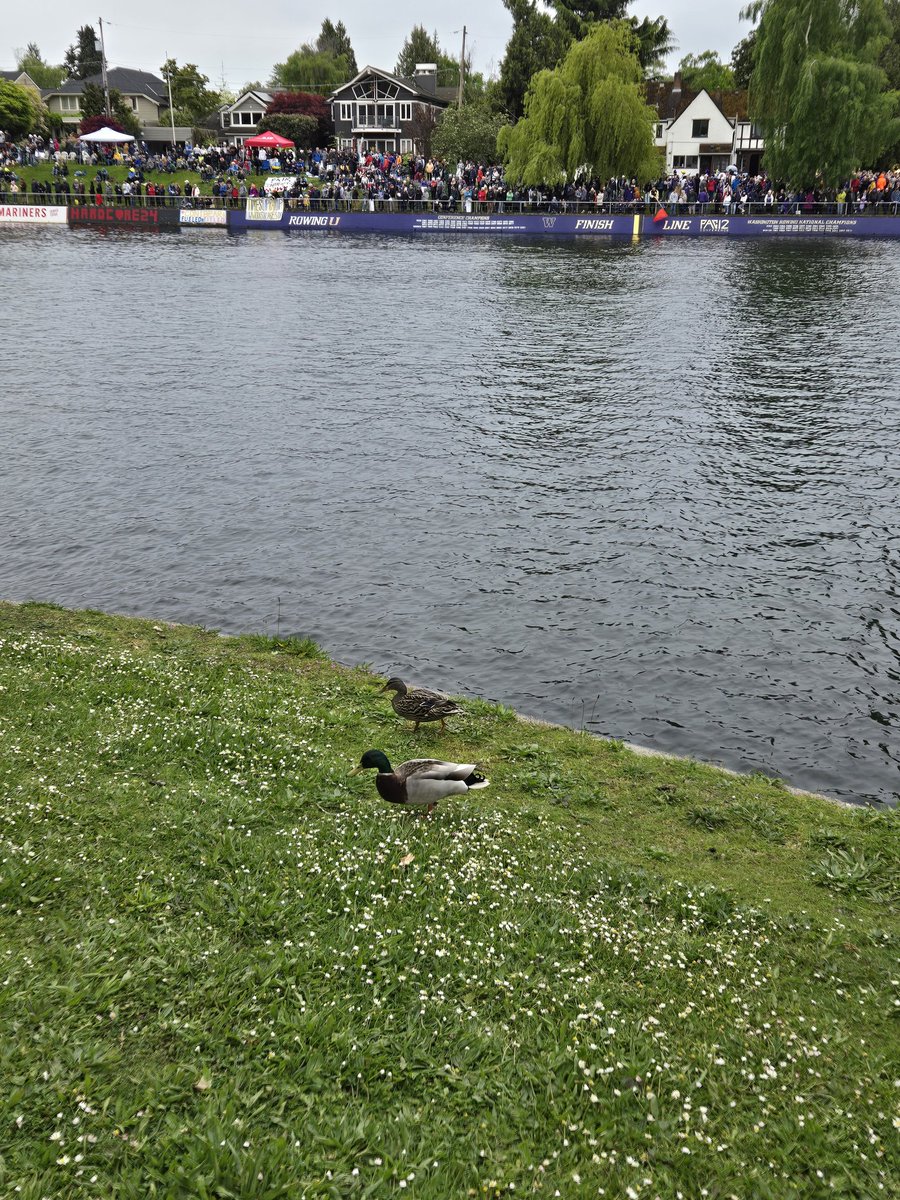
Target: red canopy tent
{"x": 268, "y": 140}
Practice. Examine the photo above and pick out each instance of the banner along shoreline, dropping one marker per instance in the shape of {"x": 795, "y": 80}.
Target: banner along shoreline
{"x": 268, "y": 214}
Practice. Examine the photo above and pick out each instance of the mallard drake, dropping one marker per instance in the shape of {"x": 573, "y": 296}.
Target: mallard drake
{"x": 421, "y": 782}
{"x": 420, "y": 705}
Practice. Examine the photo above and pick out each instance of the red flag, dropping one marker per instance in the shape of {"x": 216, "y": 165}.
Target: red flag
{"x": 662, "y": 215}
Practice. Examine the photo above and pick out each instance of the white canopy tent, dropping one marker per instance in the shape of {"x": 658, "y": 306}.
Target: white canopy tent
{"x": 106, "y": 135}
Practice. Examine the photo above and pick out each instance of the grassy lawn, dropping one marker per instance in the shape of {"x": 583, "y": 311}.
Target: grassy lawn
{"x": 230, "y": 970}
{"x": 43, "y": 173}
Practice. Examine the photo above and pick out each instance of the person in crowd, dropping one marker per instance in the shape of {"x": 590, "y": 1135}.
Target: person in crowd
{"x": 338, "y": 177}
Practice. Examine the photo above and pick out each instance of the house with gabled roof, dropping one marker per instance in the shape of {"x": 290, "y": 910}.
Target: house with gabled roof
{"x": 144, "y": 93}
{"x": 379, "y": 111}
{"x": 238, "y": 119}
{"x": 701, "y": 133}
{"x": 23, "y": 79}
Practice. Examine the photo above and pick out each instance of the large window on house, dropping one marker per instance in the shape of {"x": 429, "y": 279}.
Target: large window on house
{"x": 375, "y": 90}
{"x": 346, "y": 111}
{"x": 700, "y": 129}
{"x": 685, "y": 162}
{"x": 68, "y": 103}
{"x": 405, "y": 113}
{"x": 385, "y": 116}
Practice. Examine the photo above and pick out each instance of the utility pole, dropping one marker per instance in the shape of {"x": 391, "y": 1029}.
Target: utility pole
{"x": 103, "y": 70}
{"x": 171, "y": 109}
{"x": 462, "y": 69}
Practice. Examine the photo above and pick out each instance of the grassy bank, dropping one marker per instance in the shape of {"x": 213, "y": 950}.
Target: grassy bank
{"x": 230, "y": 970}
{"x": 43, "y": 173}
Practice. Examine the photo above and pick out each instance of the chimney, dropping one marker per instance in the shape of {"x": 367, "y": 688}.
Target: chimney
{"x": 425, "y": 78}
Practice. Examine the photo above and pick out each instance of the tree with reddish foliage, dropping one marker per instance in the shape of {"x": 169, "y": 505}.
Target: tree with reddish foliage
{"x": 92, "y": 124}
{"x": 305, "y": 104}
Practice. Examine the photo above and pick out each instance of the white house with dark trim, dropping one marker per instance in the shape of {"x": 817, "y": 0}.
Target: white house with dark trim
{"x": 700, "y": 139}
{"x": 379, "y": 111}
{"x": 748, "y": 146}
{"x": 702, "y": 134}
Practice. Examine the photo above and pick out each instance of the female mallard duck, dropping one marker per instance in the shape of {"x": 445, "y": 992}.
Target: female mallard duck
{"x": 420, "y": 705}
{"x": 421, "y": 782}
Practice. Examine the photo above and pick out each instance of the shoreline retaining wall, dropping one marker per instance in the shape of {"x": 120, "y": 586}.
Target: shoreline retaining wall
{"x": 268, "y": 213}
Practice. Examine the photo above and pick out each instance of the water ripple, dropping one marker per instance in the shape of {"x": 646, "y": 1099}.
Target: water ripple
{"x": 648, "y": 490}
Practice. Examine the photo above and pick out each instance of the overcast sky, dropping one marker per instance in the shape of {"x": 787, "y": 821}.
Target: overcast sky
{"x": 241, "y": 42}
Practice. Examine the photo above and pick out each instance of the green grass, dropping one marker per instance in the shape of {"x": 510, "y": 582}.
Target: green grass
{"x": 43, "y": 173}
{"x": 227, "y": 969}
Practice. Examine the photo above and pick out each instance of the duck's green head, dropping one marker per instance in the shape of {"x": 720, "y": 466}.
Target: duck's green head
{"x": 373, "y": 760}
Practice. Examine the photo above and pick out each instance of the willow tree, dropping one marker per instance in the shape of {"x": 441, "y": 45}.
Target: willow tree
{"x": 817, "y": 91}
{"x": 588, "y": 116}
{"x": 334, "y": 39}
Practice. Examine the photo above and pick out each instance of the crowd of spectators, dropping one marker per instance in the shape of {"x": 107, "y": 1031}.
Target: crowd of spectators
{"x": 336, "y": 178}
{"x": 344, "y": 180}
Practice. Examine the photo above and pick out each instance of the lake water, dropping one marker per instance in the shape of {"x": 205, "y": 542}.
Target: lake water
{"x": 649, "y": 490}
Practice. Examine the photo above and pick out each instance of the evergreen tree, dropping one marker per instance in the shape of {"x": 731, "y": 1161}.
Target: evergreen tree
{"x": 577, "y": 16}
{"x": 83, "y": 56}
{"x": 334, "y": 39}
{"x": 817, "y": 90}
{"x": 537, "y": 43}
{"x": 589, "y": 114}
{"x": 424, "y": 47}
{"x": 742, "y": 60}
{"x": 420, "y": 47}
{"x": 654, "y": 42}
